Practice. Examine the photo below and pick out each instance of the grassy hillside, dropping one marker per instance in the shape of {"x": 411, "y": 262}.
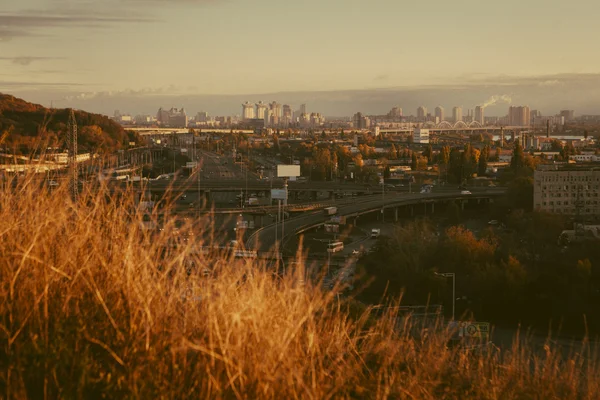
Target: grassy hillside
{"x": 94, "y": 306}
{"x": 32, "y": 126}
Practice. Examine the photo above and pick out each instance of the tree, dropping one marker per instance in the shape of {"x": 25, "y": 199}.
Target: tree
{"x": 482, "y": 165}
{"x": 445, "y": 155}
{"x": 497, "y": 155}
{"x": 518, "y": 159}
{"x": 386, "y": 172}
{"x": 414, "y": 162}
{"x": 520, "y": 193}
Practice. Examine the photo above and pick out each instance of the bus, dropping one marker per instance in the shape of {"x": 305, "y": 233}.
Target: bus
{"x": 335, "y": 247}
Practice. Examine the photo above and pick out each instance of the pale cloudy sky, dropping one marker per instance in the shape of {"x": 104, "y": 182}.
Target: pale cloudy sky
{"x": 137, "y": 54}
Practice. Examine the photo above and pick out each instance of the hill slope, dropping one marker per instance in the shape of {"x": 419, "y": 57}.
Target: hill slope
{"x": 32, "y": 126}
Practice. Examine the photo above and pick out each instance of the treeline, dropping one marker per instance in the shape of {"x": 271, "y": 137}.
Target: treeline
{"x": 512, "y": 274}
{"x": 33, "y": 128}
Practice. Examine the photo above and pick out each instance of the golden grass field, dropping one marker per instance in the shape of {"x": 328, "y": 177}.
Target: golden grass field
{"x": 94, "y": 306}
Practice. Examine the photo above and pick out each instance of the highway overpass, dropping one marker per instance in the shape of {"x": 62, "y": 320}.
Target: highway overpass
{"x": 265, "y": 239}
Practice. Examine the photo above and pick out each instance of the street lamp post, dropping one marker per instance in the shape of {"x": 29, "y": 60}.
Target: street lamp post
{"x": 453, "y": 276}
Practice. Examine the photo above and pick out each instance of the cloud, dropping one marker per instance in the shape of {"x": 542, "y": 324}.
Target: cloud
{"x": 553, "y": 82}
{"x": 145, "y": 92}
{"x": 27, "y": 60}
{"x": 7, "y": 34}
{"x": 15, "y": 85}
{"x": 63, "y": 15}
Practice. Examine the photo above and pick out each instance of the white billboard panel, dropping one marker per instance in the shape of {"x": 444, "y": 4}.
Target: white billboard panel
{"x": 286, "y": 171}
{"x": 278, "y": 194}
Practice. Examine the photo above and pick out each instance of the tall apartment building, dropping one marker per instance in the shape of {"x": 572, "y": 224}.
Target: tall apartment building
{"x": 395, "y": 112}
{"x": 172, "y": 118}
{"x": 248, "y": 110}
{"x": 568, "y": 114}
{"x": 479, "y": 115}
{"x": 422, "y": 113}
{"x": 361, "y": 121}
{"x": 275, "y": 111}
{"x": 260, "y": 110}
{"x": 567, "y": 189}
{"x": 519, "y": 116}
{"x": 457, "y": 114}
{"x": 202, "y": 116}
{"x": 287, "y": 115}
{"x": 439, "y": 114}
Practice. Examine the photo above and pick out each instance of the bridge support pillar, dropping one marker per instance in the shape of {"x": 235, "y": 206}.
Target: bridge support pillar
{"x": 462, "y": 205}
{"x": 330, "y": 195}
{"x": 432, "y": 208}
{"x": 396, "y": 214}
{"x": 412, "y": 211}
{"x": 314, "y": 194}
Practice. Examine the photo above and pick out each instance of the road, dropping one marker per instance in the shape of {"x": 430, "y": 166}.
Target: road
{"x": 265, "y": 239}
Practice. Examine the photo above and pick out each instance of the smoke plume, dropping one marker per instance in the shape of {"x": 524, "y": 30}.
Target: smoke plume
{"x": 497, "y": 99}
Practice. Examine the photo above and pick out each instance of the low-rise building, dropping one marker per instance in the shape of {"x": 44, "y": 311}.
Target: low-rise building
{"x": 421, "y": 136}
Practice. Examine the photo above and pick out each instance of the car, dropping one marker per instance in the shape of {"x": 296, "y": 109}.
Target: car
{"x": 465, "y": 192}
{"x": 493, "y": 222}
{"x": 462, "y": 187}
{"x": 356, "y": 252}
{"x": 52, "y": 183}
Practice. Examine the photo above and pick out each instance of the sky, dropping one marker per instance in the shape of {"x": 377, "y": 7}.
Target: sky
{"x": 344, "y": 55}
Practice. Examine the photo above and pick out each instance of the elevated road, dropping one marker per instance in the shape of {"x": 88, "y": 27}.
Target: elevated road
{"x": 233, "y": 184}
{"x": 265, "y": 239}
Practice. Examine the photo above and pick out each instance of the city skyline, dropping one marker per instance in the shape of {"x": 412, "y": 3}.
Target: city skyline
{"x": 75, "y": 52}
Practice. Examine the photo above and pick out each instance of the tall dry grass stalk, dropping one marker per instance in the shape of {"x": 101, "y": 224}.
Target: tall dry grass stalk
{"x": 94, "y": 305}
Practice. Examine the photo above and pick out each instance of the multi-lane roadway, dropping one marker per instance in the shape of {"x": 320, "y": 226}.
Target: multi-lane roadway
{"x": 265, "y": 238}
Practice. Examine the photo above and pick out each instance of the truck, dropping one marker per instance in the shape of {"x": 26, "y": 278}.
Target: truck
{"x": 330, "y": 210}
{"x": 375, "y": 233}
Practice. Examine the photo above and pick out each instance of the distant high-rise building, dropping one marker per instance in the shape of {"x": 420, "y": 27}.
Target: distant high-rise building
{"x": 260, "y": 110}
{"x": 172, "y": 118}
{"x": 421, "y": 113}
{"x": 439, "y": 114}
{"x": 248, "y": 110}
{"x": 457, "y": 114}
{"x": 302, "y": 108}
{"x": 519, "y": 116}
{"x": 479, "y": 114}
{"x": 287, "y": 114}
{"x": 395, "y": 112}
{"x": 568, "y": 114}
{"x": 202, "y": 116}
{"x": 361, "y": 121}
{"x": 276, "y": 113}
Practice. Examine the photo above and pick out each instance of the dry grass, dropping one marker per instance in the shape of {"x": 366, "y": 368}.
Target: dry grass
{"x": 92, "y": 305}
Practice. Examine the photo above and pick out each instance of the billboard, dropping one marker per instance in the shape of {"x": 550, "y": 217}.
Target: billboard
{"x": 286, "y": 171}
{"x": 278, "y": 194}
